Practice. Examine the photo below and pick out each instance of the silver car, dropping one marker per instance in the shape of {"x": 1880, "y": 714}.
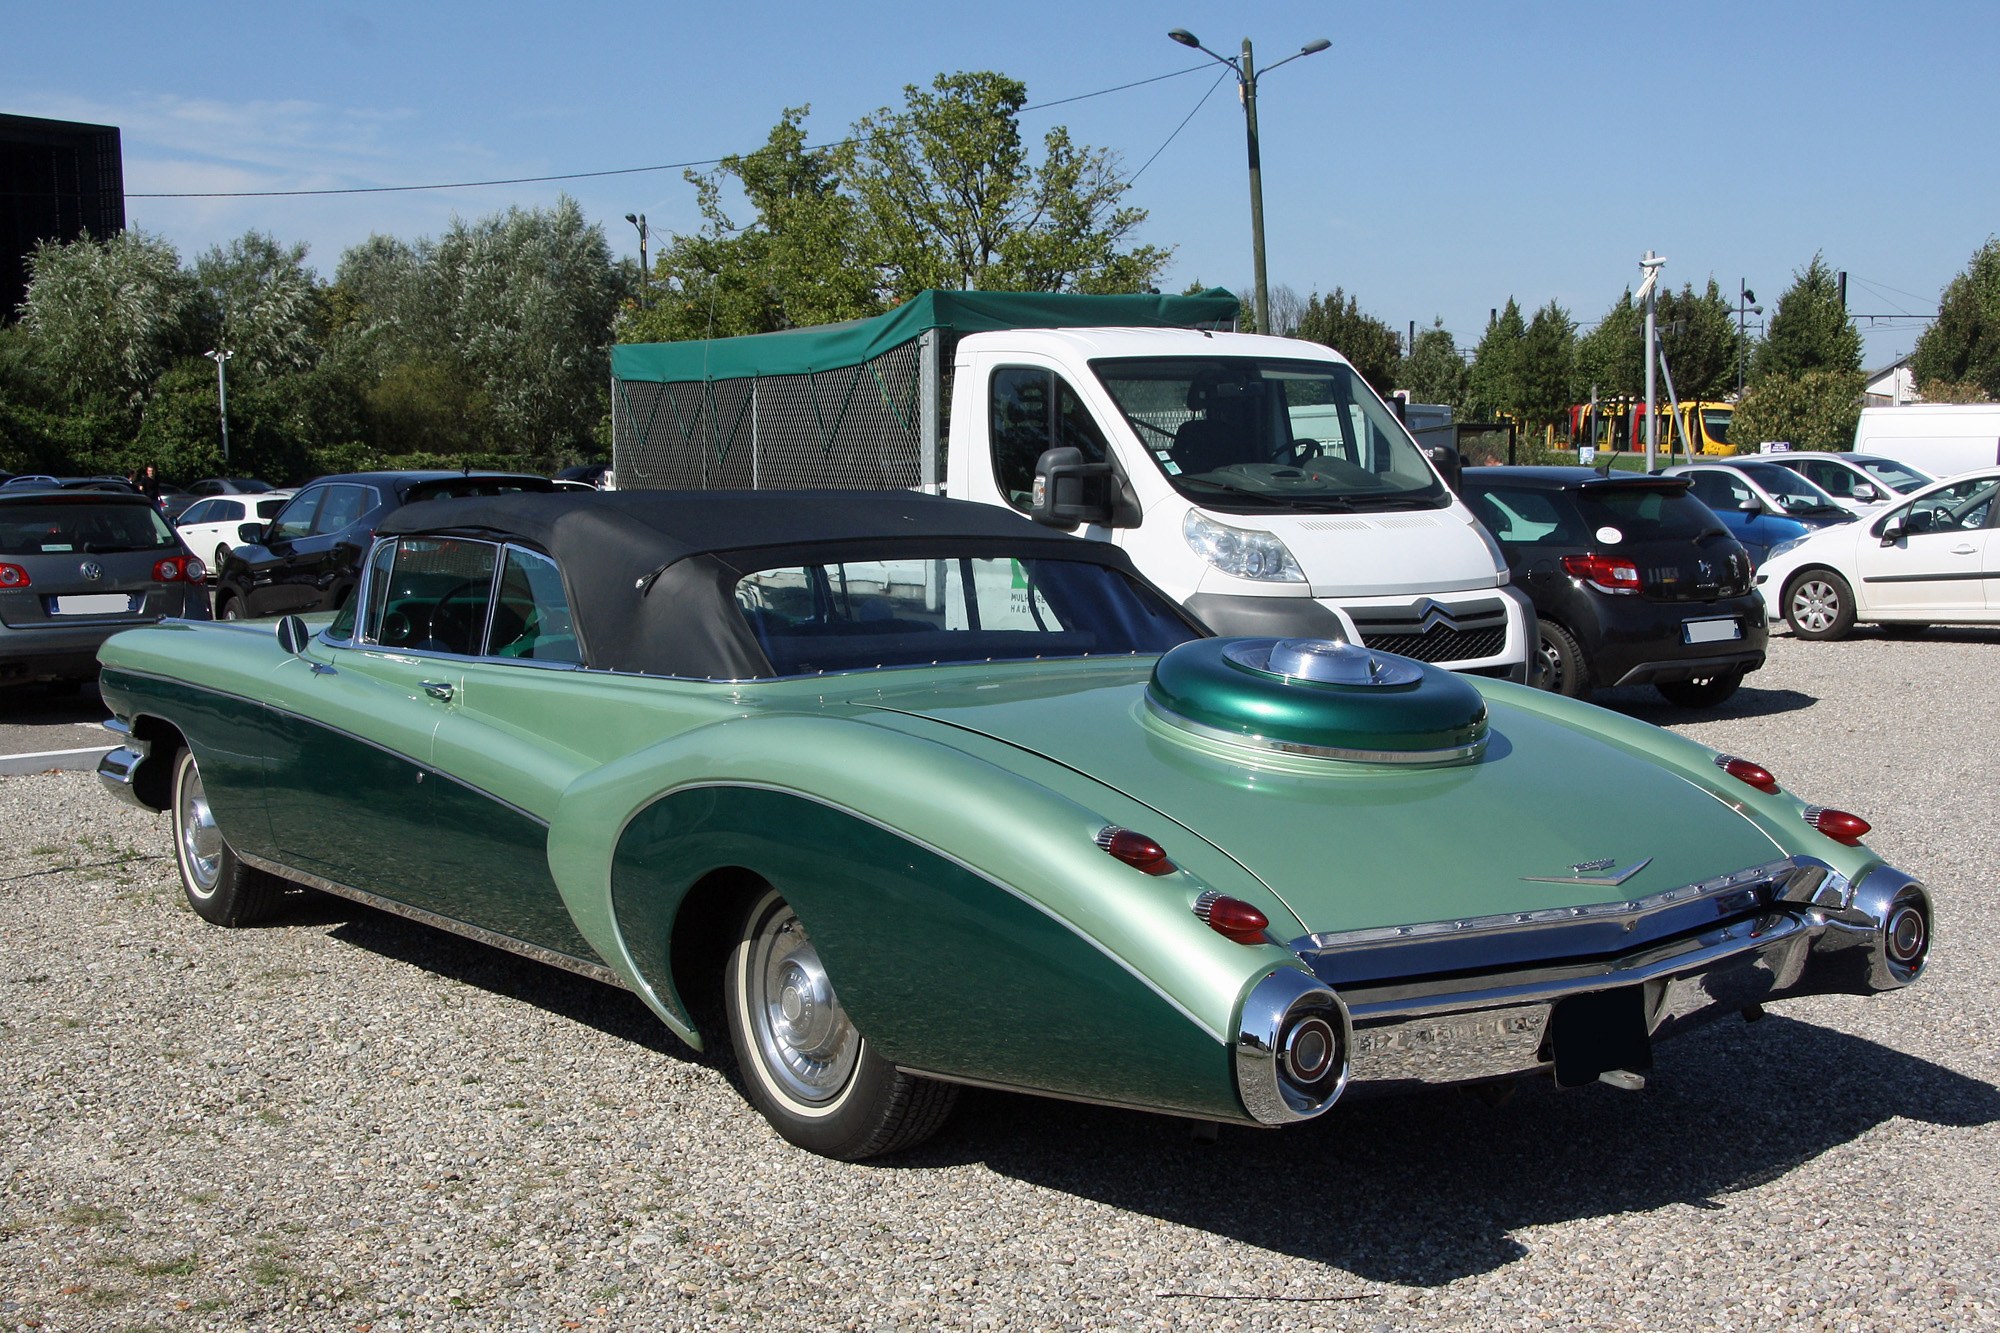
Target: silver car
{"x": 1859, "y": 483}
{"x": 77, "y": 566}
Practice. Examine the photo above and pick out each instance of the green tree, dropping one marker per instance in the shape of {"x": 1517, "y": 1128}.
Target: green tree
{"x": 1815, "y": 410}
{"x": 803, "y": 260}
{"x": 1698, "y": 337}
{"x": 1611, "y": 358}
{"x": 1963, "y": 347}
{"x": 951, "y": 198}
{"x": 265, "y": 303}
{"x": 1494, "y": 386}
{"x": 1371, "y": 345}
{"x": 1809, "y": 329}
{"x": 1434, "y": 372}
{"x": 107, "y": 317}
{"x": 1547, "y": 364}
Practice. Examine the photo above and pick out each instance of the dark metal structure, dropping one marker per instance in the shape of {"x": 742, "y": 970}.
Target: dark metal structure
{"x": 58, "y": 180}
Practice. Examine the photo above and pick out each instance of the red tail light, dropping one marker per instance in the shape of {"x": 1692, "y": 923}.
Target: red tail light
{"x": 13, "y": 576}
{"x": 1838, "y": 824}
{"x": 1604, "y": 572}
{"x": 1231, "y": 918}
{"x": 180, "y": 568}
{"x": 1135, "y": 850}
{"x": 1744, "y": 771}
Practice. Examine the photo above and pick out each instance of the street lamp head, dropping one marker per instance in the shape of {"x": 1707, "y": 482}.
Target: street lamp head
{"x": 218, "y": 356}
{"x": 1184, "y": 37}
{"x": 1749, "y": 295}
{"x": 1315, "y": 46}
{"x": 1756, "y": 310}
{"x": 632, "y": 218}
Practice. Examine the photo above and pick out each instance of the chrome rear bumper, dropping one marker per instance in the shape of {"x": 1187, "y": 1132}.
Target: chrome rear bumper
{"x": 1807, "y": 931}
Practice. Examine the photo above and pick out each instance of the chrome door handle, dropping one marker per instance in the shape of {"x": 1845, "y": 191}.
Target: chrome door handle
{"x": 438, "y": 689}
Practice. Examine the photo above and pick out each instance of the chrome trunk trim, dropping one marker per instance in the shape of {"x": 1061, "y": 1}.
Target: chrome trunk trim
{"x": 539, "y": 953}
{"x": 1449, "y": 755}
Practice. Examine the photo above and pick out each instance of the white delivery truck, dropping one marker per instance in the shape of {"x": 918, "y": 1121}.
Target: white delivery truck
{"x": 1258, "y": 480}
{"x": 1942, "y": 439}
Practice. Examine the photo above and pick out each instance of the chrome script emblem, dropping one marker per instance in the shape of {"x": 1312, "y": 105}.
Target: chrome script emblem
{"x": 91, "y": 570}
{"x": 1593, "y": 872}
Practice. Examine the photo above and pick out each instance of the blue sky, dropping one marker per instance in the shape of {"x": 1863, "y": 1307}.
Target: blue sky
{"x": 1439, "y": 158}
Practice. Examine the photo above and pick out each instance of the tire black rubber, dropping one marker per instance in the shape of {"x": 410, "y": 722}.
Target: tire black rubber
{"x": 1839, "y": 592}
{"x": 226, "y": 608}
{"x": 241, "y": 895}
{"x": 1564, "y": 671}
{"x": 879, "y": 1110}
{"x": 1702, "y": 691}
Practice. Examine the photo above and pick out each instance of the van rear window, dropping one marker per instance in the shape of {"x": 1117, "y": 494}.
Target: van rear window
{"x": 59, "y": 527}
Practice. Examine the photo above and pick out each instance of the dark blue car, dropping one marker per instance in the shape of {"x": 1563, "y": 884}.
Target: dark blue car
{"x": 1761, "y": 504}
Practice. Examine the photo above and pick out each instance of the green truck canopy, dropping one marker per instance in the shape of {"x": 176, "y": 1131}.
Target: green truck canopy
{"x": 857, "y": 342}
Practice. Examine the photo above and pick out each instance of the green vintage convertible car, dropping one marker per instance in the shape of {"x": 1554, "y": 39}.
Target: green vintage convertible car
{"x": 916, "y": 794}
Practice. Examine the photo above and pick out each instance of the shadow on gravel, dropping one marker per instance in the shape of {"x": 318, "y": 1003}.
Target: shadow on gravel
{"x": 614, "y": 1012}
{"x": 1424, "y": 1190}
{"x": 1644, "y": 702}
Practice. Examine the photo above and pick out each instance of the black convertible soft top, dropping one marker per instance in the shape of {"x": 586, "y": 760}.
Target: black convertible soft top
{"x": 652, "y": 574}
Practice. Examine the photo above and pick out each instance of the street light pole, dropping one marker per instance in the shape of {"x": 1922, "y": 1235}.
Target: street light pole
{"x": 222, "y": 396}
{"x": 639, "y": 220}
{"x": 1744, "y": 296}
{"x": 1245, "y": 69}
{"x": 1649, "y": 292}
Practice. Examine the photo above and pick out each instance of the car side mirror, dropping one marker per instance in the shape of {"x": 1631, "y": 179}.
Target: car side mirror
{"x": 1751, "y": 505}
{"x": 1894, "y": 529}
{"x": 1069, "y": 491}
{"x": 1865, "y": 493}
{"x": 251, "y": 534}
{"x": 293, "y": 636}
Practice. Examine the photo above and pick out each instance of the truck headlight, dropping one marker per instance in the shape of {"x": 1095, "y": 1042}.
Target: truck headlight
{"x": 1241, "y": 551}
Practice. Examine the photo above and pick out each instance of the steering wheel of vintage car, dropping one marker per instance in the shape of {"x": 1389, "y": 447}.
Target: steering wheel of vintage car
{"x": 442, "y": 610}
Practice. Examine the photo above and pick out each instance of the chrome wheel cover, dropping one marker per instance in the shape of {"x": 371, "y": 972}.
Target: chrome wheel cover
{"x": 200, "y": 840}
{"x": 1815, "y": 605}
{"x": 803, "y": 1036}
{"x": 1552, "y": 672}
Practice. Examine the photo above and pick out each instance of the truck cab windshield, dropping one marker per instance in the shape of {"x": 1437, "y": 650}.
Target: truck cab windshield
{"x": 1252, "y": 435}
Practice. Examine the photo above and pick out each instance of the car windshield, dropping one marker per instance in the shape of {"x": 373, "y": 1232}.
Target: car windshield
{"x": 860, "y": 614}
{"x": 1523, "y": 516}
{"x": 1252, "y": 434}
{"x": 56, "y": 526}
{"x": 1893, "y": 474}
{"x": 1793, "y": 491}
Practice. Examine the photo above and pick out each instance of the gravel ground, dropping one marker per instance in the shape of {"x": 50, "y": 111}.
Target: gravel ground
{"x": 346, "y": 1121}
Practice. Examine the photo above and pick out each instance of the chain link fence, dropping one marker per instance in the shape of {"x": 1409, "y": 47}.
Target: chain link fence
{"x": 853, "y": 427}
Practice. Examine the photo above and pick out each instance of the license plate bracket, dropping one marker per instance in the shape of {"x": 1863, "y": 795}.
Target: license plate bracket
{"x": 92, "y": 604}
{"x": 1720, "y": 629}
{"x": 1597, "y": 1032}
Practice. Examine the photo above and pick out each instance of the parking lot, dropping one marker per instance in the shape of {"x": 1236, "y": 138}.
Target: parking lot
{"x": 347, "y": 1121}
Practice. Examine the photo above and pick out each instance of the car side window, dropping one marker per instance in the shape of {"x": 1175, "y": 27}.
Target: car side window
{"x": 430, "y": 594}
{"x": 1519, "y": 517}
{"x": 531, "y": 619}
{"x": 342, "y": 507}
{"x": 196, "y": 513}
{"x": 1959, "y": 507}
{"x": 295, "y": 520}
{"x": 1034, "y": 410}
{"x": 224, "y": 511}
{"x": 1831, "y": 478}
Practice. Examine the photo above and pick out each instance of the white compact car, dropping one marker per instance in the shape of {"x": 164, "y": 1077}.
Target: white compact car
{"x": 1861, "y": 483}
{"x": 209, "y": 526}
{"x": 1933, "y": 558}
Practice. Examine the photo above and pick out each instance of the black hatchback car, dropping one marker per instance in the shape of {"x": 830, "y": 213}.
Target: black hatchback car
{"x": 1634, "y": 581}
{"x": 77, "y": 566}
{"x": 308, "y": 558}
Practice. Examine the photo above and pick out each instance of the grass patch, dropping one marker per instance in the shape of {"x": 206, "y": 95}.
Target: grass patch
{"x": 181, "y": 1267}
{"x": 204, "y": 1196}
{"x": 104, "y": 1297}
{"x": 272, "y": 1271}
{"x": 270, "y": 1117}
{"x": 90, "y": 1215}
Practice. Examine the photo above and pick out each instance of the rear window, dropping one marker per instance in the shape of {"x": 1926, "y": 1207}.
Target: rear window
{"x": 270, "y": 508}
{"x": 884, "y": 613}
{"x": 1572, "y": 518}
{"x": 98, "y": 529}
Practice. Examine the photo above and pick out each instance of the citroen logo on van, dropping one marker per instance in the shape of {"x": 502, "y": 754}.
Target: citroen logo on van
{"x": 91, "y": 570}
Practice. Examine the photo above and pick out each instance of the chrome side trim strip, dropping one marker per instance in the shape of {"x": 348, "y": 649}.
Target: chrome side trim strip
{"x": 1634, "y": 908}
{"x": 537, "y": 952}
{"x": 1449, "y": 755}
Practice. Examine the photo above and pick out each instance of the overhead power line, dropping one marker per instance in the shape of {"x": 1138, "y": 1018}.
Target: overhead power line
{"x": 593, "y": 175}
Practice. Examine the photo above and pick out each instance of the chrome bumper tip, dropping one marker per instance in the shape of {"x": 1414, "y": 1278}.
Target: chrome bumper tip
{"x": 117, "y": 770}
{"x": 1293, "y": 1048}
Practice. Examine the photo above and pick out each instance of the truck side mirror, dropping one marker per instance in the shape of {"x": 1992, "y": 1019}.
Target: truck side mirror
{"x": 1069, "y": 491}
{"x": 250, "y": 534}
